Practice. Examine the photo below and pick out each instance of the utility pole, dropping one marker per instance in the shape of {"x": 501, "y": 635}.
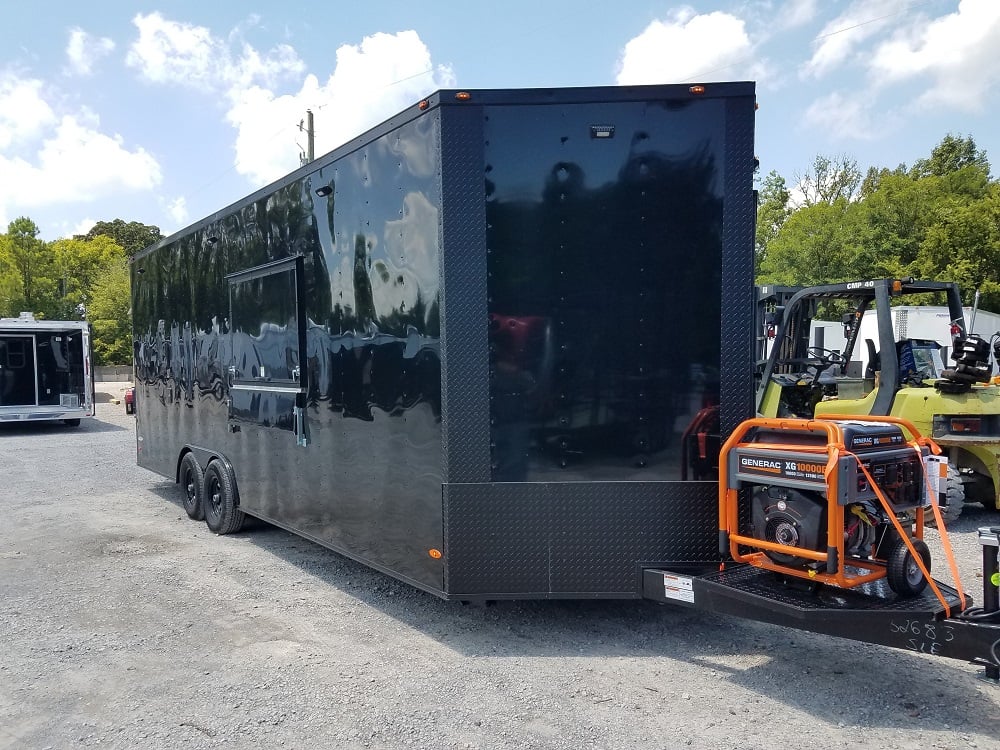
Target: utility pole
{"x": 310, "y": 153}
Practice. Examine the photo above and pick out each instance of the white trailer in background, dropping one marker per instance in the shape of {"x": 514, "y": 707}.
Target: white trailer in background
{"x": 929, "y": 323}
{"x": 46, "y": 370}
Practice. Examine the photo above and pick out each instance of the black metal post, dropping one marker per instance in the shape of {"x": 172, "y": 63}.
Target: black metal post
{"x": 989, "y": 538}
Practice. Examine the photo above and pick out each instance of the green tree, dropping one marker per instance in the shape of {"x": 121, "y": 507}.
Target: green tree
{"x": 78, "y": 265}
{"x": 830, "y": 179}
{"x": 132, "y": 236}
{"x": 108, "y": 310}
{"x": 32, "y": 266}
{"x": 817, "y": 244}
{"x": 10, "y": 282}
{"x": 937, "y": 220}
{"x": 963, "y": 245}
{"x": 951, "y": 155}
{"x": 772, "y": 211}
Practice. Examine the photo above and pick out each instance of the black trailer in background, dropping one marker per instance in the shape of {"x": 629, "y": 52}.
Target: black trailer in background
{"x": 465, "y": 348}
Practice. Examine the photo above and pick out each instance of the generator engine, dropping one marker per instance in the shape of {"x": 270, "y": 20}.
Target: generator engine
{"x": 819, "y": 506}
{"x": 795, "y": 518}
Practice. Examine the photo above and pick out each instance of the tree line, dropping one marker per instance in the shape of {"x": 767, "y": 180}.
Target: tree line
{"x": 85, "y": 276}
{"x": 937, "y": 219}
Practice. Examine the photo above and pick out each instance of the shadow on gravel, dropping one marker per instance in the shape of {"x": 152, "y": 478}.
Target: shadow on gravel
{"x": 833, "y": 680}
{"x": 51, "y": 427}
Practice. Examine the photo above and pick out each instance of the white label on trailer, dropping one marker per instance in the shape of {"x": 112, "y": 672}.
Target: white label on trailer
{"x": 678, "y": 587}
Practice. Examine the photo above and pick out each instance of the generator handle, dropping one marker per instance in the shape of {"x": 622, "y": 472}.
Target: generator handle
{"x": 906, "y": 424}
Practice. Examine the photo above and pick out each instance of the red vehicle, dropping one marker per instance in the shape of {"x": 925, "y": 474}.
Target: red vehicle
{"x": 130, "y": 400}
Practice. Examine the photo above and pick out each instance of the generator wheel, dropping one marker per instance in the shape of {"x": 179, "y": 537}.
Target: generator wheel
{"x": 193, "y": 484}
{"x": 955, "y": 494}
{"x": 903, "y": 573}
{"x": 222, "y": 511}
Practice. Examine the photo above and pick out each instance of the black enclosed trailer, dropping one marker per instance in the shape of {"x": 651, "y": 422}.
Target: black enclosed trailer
{"x": 45, "y": 370}
{"x": 467, "y": 347}
{"x": 491, "y": 348}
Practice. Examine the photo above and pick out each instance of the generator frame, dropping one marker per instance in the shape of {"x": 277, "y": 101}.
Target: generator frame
{"x": 828, "y": 467}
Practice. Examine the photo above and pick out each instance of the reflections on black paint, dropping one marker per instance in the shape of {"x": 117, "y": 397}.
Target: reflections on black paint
{"x": 370, "y": 371}
{"x": 583, "y": 241}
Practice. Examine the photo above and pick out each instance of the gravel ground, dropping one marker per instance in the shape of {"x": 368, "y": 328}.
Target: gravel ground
{"x": 125, "y": 625}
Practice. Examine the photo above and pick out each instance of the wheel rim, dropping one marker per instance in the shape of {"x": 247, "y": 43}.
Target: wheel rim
{"x": 215, "y": 495}
{"x": 189, "y": 487}
{"x": 913, "y": 574}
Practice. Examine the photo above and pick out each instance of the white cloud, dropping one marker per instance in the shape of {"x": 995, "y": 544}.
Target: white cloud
{"x": 956, "y": 54}
{"x": 24, "y": 113}
{"x": 839, "y": 117}
{"x": 83, "y": 50}
{"x": 177, "y": 210}
{"x": 82, "y": 227}
{"x": 370, "y": 82}
{"x": 837, "y": 41}
{"x": 75, "y": 163}
{"x": 688, "y": 47}
{"x": 187, "y": 55}
{"x": 795, "y": 13}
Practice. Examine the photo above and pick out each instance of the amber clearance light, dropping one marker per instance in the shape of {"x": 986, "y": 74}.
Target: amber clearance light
{"x": 697, "y": 89}
{"x": 435, "y": 553}
{"x": 463, "y": 96}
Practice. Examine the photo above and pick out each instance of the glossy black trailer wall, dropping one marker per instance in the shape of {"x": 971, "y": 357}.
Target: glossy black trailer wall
{"x": 329, "y": 284}
{"x": 614, "y": 237}
{"x": 481, "y": 329}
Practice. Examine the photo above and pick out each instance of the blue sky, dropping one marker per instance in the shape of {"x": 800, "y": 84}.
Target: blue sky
{"x": 166, "y": 112}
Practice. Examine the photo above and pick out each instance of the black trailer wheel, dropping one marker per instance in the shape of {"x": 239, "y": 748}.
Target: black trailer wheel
{"x": 222, "y": 512}
{"x": 71, "y": 422}
{"x": 902, "y": 571}
{"x": 193, "y": 484}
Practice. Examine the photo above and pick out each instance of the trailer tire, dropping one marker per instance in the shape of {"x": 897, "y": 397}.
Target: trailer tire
{"x": 222, "y": 511}
{"x": 955, "y": 493}
{"x": 71, "y": 422}
{"x": 192, "y": 480}
{"x": 903, "y": 573}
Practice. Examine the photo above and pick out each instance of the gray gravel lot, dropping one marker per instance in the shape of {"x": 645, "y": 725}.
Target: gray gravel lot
{"x": 123, "y": 624}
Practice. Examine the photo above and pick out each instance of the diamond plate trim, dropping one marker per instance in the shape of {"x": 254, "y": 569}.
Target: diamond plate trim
{"x": 464, "y": 346}
{"x": 739, "y": 219}
{"x": 560, "y": 539}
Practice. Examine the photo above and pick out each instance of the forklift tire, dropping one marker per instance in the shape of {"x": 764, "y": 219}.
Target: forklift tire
{"x": 902, "y": 571}
{"x": 193, "y": 483}
{"x": 222, "y": 511}
{"x": 955, "y": 494}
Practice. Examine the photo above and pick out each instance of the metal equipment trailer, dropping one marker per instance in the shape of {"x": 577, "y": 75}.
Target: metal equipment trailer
{"x": 46, "y": 370}
{"x": 474, "y": 348}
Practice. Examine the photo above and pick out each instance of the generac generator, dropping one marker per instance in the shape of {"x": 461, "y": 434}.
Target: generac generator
{"x": 836, "y": 501}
